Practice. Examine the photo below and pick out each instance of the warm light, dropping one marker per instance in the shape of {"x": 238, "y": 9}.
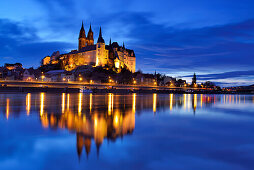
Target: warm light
{"x": 80, "y": 104}
{"x": 28, "y": 103}
{"x": 116, "y": 119}
{"x": 189, "y": 101}
{"x": 154, "y": 102}
{"x": 184, "y": 101}
{"x": 110, "y": 103}
{"x": 68, "y": 101}
{"x": 171, "y": 101}
{"x": 91, "y": 101}
{"x": 7, "y": 108}
{"x": 155, "y": 83}
{"x": 134, "y": 102}
{"x": 91, "y": 81}
{"x": 195, "y": 101}
{"x": 63, "y": 102}
{"x": 42, "y": 104}
{"x": 134, "y": 82}
{"x": 117, "y": 64}
{"x": 95, "y": 122}
{"x": 80, "y": 79}
{"x": 201, "y": 100}
{"x": 64, "y": 79}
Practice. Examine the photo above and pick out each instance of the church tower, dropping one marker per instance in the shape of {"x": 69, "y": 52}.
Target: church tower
{"x": 101, "y": 54}
{"x": 82, "y": 38}
{"x": 90, "y": 40}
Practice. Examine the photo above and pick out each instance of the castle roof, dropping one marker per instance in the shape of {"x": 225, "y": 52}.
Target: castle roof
{"x": 84, "y": 49}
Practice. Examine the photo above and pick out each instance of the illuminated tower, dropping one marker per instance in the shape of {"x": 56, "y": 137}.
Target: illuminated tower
{"x": 101, "y": 56}
{"x": 100, "y": 39}
{"x": 90, "y": 40}
{"x": 82, "y": 38}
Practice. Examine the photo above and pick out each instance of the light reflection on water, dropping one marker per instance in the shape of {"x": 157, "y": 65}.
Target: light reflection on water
{"x": 99, "y": 118}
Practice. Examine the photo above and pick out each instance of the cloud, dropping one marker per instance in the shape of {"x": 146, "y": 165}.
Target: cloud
{"x": 19, "y": 43}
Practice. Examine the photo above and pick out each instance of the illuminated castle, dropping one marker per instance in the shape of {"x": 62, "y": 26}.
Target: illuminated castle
{"x": 99, "y": 54}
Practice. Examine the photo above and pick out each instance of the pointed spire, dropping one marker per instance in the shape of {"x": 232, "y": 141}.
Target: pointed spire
{"x": 100, "y": 33}
{"x": 100, "y": 39}
{"x": 90, "y": 29}
{"x": 82, "y": 33}
{"x": 123, "y": 46}
{"x": 110, "y": 42}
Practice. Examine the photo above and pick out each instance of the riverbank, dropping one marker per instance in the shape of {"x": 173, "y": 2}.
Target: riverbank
{"x": 10, "y": 89}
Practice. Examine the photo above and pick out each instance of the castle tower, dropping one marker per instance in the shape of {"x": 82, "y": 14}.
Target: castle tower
{"x": 100, "y": 39}
{"x": 82, "y": 38}
{"x": 90, "y": 40}
{"x": 101, "y": 54}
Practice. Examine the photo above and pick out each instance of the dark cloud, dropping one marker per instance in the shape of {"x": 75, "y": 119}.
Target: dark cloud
{"x": 19, "y": 43}
{"x": 225, "y": 75}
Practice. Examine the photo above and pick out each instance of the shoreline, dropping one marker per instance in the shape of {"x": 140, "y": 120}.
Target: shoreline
{"x": 12, "y": 89}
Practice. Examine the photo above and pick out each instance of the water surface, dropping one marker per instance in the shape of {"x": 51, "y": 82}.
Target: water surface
{"x": 152, "y": 131}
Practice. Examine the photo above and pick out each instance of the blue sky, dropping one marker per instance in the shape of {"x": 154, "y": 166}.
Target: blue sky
{"x": 215, "y": 38}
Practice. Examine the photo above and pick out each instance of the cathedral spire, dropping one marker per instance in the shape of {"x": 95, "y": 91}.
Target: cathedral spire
{"x": 90, "y": 29}
{"x": 82, "y": 33}
{"x": 100, "y": 39}
{"x": 123, "y": 46}
{"x": 110, "y": 42}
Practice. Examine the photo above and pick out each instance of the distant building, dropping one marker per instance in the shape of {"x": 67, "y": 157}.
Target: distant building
{"x": 194, "y": 79}
{"x": 98, "y": 54}
{"x": 28, "y": 75}
{"x": 12, "y": 66}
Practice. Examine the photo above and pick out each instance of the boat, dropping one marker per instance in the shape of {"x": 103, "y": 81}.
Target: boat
{"x": 85, "y": 90}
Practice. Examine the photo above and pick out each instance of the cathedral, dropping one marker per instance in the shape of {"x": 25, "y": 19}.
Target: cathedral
{"x": 110, "y": 56}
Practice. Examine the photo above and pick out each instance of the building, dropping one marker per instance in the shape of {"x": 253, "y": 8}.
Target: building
{"x": 28, "y": 75}
{"x": 99, "y": 54}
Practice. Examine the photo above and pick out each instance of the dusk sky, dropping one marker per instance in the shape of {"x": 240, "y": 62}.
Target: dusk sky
{"x": 214, "y": 38}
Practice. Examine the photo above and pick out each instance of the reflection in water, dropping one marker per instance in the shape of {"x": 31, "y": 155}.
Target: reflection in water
{"x": 68, "y": 101}
{"x": 63, "y": 102}
{"x": 98, "y": 118}
{"x": 154, "y": 102}
{"x": 91, "y": 102}
{"x": 134, "y": 102}
{"x": 28, "y": 103}
{"x": 80, "y": 103}
{"x": 7, "y": 108}
{"x": 201, "y": 100}
{"x": 171, "y": 101}
{"x": 42, "y": 104}
{"x": 110, "y": 103}
{"x": 184, "y": 101}
{"x": 194, "y": 102}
